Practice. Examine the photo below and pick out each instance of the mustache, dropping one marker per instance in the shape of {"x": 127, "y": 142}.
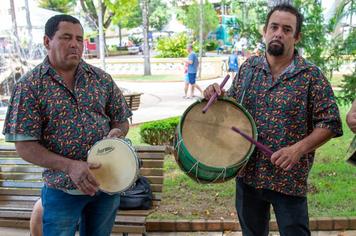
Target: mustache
{"x": 276, "y": 41}
{"x": 74, "y": 51}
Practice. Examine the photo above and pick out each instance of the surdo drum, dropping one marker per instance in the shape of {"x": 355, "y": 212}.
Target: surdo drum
{"x": 206, "y": 148}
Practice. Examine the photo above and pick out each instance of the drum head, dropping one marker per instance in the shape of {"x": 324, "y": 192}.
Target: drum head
{"x": 209, "y": 137}
{"x": 119, "y": 165}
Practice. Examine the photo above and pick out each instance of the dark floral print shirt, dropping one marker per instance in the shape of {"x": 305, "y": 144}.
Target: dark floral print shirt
{"x": 66, "y": 122}
{"x": 285, "y": 111}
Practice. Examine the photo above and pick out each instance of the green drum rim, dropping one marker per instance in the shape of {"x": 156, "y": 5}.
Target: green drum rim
{"x": 190, "y": 165}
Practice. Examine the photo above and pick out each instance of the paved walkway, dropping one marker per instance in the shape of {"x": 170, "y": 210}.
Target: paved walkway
{"x": 162, "y": 99}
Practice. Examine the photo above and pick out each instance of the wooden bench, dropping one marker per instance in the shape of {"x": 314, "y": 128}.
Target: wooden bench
{"x": 133, "y": 101}
{"x": 20, "y": 184}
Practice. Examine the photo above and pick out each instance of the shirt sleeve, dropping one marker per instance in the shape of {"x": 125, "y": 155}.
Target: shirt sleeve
{"x": 325, "y": 112}
{"x": 235, "y": 89}
{"x": 23, "y": 122}
{"x": 117, "y": 108}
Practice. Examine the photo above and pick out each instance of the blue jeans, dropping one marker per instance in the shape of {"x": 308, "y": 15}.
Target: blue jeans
{"x": 62, "y": 212}
{"x": 253, "y": 209}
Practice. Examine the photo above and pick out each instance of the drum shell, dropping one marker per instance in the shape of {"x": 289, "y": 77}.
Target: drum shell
{"x": 198, "y": 171}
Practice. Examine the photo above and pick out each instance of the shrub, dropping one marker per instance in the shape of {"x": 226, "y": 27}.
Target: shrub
{"x": 174, "y": 46}
{"x": 211, "y": 45}
{"x": 159, "y": 132}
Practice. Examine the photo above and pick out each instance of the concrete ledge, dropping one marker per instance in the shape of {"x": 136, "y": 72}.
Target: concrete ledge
{"x": 202, "y": 225}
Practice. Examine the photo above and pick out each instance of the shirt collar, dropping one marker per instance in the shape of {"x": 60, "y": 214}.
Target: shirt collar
{"x": 82, "y": 68}
{"x": 298, "y": 64}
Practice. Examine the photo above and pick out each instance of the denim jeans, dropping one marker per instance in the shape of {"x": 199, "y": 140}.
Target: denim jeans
{"x": 253, "y": 209}
{"x": 62, "y": 212}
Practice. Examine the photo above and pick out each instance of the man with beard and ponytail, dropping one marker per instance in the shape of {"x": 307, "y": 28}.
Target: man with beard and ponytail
{"x": 295, "y": 112}
{"x": 58, "y": 111}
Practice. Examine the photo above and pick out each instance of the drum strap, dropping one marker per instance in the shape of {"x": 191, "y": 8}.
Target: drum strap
{"x": 246, "y": 83}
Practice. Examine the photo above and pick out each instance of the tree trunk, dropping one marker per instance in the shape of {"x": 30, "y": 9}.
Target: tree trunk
{"x": 16, "y": 39}
{"x": 201, "y": 22}
{"x": 101, "y": 35}
{"x": 146, "y": 49}
{"x": 29, "y": 27}
{"x": 120, "y": 35}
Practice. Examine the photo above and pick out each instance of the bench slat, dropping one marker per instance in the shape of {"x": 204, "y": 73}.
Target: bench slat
{"x": 13, "y": 162}
{"x": 20, "y": 176}
{"x": 36, "y": 192}
{"x": 149, "y": 172}
{"x": 129, "y": 229}
{"x": 37, "y": 177}
{"x": 27, "y": 168}
{"x": 14, "y": 223}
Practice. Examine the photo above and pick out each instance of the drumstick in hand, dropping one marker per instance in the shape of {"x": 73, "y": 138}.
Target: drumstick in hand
{"x": 212, "y": 99}
{"x": 259, "y": 145}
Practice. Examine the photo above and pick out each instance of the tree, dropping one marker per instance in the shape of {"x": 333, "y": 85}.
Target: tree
{"x": 146, "y": 47}
{"x": 16, "y": 39}
{"x": 251, "y": 16}
{"x": 157, "y": 12}
{"x": 343, "y": 48}
{"x": 58, "y": 5}
{"x": 159, "y": 17}
{"x": 314, "y": 40}
{"x": 29, "y": 26}
{"x": 191, "y": 17}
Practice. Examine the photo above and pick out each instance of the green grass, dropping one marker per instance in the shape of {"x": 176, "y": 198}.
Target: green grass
{"x": 134, "y": 135}
{"x": 332, "y": 179}
{"x": 336, "y": 80}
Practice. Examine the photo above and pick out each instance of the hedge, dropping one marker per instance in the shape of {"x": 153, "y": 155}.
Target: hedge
{"x": 159, "y": 132}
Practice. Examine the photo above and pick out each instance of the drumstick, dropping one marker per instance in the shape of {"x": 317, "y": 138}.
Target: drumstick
{"x": 215, "y": 95}
{"x": 262, "y": 147}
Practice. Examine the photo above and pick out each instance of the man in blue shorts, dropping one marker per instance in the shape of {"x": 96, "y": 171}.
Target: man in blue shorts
{"x": 192, "y": 69}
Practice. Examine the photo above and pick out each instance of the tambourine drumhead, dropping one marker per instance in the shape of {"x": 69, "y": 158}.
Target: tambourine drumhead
{"x": 206, "y": 147}
{"x": 119, "y": 165}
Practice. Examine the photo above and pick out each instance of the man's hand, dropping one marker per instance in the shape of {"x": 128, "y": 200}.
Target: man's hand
{"x": 79, "y": 173}
{"x": 286, "y": 157}
{"x": 116, "y": 133}
{"x": 211, "y": 89}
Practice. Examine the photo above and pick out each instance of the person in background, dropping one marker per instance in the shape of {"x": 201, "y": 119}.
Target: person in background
{"x": 233, "y": 63}
{"x": 186, "y": 81}
{"x": 193, "y": 64}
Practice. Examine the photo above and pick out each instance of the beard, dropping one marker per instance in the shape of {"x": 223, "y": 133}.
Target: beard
{"x": 275, "y": 48}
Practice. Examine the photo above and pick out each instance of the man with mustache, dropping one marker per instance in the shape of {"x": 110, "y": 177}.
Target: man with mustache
{"x": 58, "y": 111}
{"x": 295, "y": 112}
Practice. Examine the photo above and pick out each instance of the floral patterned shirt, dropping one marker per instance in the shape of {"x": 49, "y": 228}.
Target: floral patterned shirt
{"x": 67, "y": 122}
{"x": 285, "y": 110}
